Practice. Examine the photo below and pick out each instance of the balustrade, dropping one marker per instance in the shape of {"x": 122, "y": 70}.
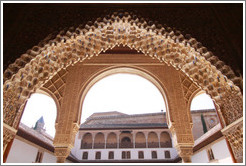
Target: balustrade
{"x": 140, "y": 145}
{"x": 111, "y": 145}
{"x": 86, "y": 146}
{"x": 153, "y": 144}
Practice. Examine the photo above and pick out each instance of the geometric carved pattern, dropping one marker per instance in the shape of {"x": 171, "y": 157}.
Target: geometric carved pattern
{"x": 188, "y": 87}
{"x": 234, "y": 134}
{"x": 231, "y": 107}
{"x": 57, "y": 84}
{"x": 167, "y": 45}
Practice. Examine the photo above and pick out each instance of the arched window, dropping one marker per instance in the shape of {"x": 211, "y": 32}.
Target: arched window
{"x": 111, "y": 155}
{"x": 123, "y": 155}
{"x": 154, "y": 154}
{"x": 111, "y": 141}
{"x": 153, "y": 141}
{"x": 98, "y": 155}
{"x": 86, "y": 142}
{"x": 126, "y": 141}
{"x": 167, "y": 154}
{"x": 40, "y": 105}
{"x": 85, "y": 156}
{"x": 165, "y": 140}
{"x": 141, "y": 155}
{"x": 140, "y": 140}
{"x": 99, "y": 141}
{"x": 203, "y": 113}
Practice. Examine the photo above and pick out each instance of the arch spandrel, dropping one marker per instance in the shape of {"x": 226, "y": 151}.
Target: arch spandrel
{"x": 168, "y": 46}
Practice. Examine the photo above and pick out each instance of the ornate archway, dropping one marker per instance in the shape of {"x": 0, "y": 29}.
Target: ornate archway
{"x": 199, "y": 68}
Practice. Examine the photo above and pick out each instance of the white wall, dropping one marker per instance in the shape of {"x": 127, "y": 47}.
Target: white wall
{"x": 220, "y": 151}
{"x": 21, "y": 152}
{"x": 48, "y": 158}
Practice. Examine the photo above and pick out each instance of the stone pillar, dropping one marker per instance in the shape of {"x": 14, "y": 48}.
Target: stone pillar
{"x": 185, "y": 152}
{"x": 234, "y": 134}
{"x": 8, "y": 135}
{"x": 64, "y": 142}
{"x": 159, "y": 139}
{"x": 183, "y": 142}
{"x": 62, "y": 153}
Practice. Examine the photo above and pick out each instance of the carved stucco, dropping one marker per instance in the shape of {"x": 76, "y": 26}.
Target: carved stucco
{"x": 165, "y": 45}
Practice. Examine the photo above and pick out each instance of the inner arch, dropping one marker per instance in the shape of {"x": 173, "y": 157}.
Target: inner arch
{"x": 126, "y": 90}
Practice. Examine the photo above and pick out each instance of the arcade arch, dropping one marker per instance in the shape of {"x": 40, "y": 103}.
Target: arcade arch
{"x": 195, "y": 68}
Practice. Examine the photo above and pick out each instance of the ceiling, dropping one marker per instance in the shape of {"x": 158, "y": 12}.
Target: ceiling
{"x": 219, "y": 27}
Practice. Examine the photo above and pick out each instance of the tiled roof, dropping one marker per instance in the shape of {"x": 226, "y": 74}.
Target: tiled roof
{"x": 124, "y": 116}
{"x": 44, "y": 137}
{"x": 134, "y": 125}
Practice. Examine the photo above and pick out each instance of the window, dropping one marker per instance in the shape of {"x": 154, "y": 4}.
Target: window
{"x": 141, "y": 155}
{"x": 210, "y": 154}
{"x": 123, "y": 155}
{"x": 85, "y": 156}
{"x": 111, "y": 155}
{"x": 98, "y": 155}
{"x": 154, "y": 155}
{"x": 126, "y": 155}
{"x": 39, "y": 157}
{"x": 167, "y": 155}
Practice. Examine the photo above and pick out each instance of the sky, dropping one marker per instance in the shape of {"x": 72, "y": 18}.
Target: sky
{"x": 126, "y": 93}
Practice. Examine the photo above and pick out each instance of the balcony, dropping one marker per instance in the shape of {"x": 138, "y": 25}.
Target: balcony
{"x": 111, "y": 145}
{"x": 153, "y": 144}
{"x": 126, "y": 145}
{"x": 166, "y": 144}
{"x": 99, "y": 145}
{"x": 86, "y": 146}
{"x": 140, "y": 145}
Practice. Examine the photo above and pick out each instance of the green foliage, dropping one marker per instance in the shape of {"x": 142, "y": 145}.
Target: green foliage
{"x": 204, "y": 124}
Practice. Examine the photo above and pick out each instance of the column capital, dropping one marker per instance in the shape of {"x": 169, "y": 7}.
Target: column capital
{"x": 62, "y": 153}
{"x": 185, "y": 152}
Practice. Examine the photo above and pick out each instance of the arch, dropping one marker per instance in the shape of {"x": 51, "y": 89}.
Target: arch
{"x": 165, "y": 140}
{"x": 34, "y": 109}
{"x": 111, "y": 140}
{"x": 122, "y": 69}
{"x": 169, "y": 46}
{"x": 153, "y": 141}
{"x": 86, "y": 141}
{"x": 49, "y": 93}
{"x": 140, "y": 140}
{"x": 39, "y": 64}
{"x": 167, "y": 154}
{"x": 126, "y": 140}
{"x": 99, "y": 141}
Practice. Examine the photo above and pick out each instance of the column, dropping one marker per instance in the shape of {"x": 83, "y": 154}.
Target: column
{"x": 93, "y": 138}
{"x": 64, "y": 142}
{"x": 147, "y": 134}
{"x": 182, "y": 142}
{"x": 185, "y": 152}
{"x": 62, "y": 153}
{"x": 118, "y": 141}
{"x": 105, "y": 144}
